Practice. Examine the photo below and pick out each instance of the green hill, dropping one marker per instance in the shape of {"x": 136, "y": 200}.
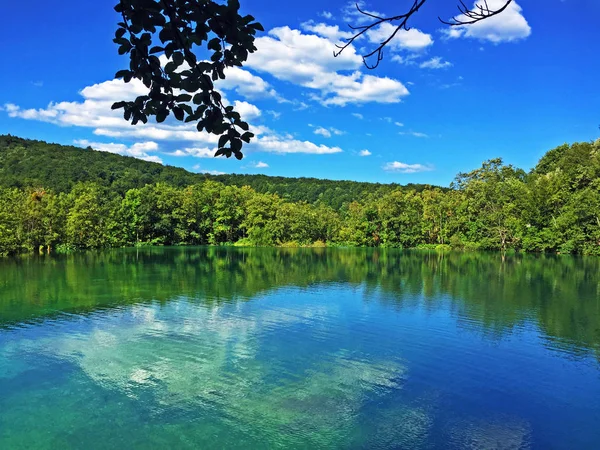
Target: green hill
{"x": 30, "y": 163}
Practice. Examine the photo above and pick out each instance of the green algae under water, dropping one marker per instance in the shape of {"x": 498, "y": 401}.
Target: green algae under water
{"x": 299, "y": 348}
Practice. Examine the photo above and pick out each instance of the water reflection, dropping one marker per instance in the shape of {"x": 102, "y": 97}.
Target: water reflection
{"x": 271, "y": 348}
{"x": 561, "y": 295}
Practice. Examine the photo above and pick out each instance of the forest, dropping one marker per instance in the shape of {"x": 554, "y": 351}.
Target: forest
{"x": 63, "y": 199}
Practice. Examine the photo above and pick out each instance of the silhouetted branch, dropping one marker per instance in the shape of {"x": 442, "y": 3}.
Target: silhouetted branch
{"x": 403, "y": 18}
{"x": 480, "y": 11}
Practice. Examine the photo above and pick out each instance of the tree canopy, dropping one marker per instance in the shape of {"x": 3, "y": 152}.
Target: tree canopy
{"x": 182, "y": 83}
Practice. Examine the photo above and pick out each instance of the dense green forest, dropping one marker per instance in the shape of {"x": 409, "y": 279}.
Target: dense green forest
{"x": 64, "y": 198}
{"x": 25, "y": 163}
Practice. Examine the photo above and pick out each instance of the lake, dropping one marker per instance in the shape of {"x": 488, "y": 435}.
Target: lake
{"x": 299, "y": 348}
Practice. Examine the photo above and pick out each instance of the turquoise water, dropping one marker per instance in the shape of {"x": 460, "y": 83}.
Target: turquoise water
{"x": 299, "y": 348}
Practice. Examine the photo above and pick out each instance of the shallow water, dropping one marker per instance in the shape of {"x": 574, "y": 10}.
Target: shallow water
{"x": 299, "y": 348}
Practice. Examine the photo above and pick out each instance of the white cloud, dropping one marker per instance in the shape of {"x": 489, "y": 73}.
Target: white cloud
{"x": 408, "y": 59}
{"x": 399, "y": 124}
{"x": 287, "y": 144}
{"x": 328, "y": 132}
{"x": 435, "y": 63}
{"x": 351, "y": 14}
{"x": 248, "y": 111}
{"x": 95, "y": 112}
{"x": 326, "y": 15}
{"x": 199, "y": 169}
{"x": 365, "y": 153}
{"x": 306, "y": 60}
{"x": 197, "y": 152}
{"x": 323, "y": 132}
{"x": 247, "y": 84}
{"x": 400, "y": 167}
{"x": 414, "y": 133}
{"x": 412, "y": 39}
{"x": 508, "y": 26}
{"x": 358, "y": 116}
{"x": 138, "y": 150}
{"x": 259, "y": 165}
{"x": 331, "y": 32}
{"x": 276, "y": 115}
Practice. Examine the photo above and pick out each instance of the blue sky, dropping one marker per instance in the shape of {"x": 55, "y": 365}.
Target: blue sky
{"x": 442, "y": 101}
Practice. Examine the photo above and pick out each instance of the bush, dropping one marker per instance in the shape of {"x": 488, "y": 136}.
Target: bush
{"x": 456, "y": 242}
{"x": 471, "y": 246}
{"x": 65, "y": 248}
{"x": 290, "y": 244}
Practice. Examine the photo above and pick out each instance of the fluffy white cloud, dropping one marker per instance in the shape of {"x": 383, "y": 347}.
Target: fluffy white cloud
{"x": 114, "y": 89}
{"x": 412, "y": 39}
{"x": 323, "y": 132}
{"x": 328, "y": 132}
{"x": 259, "y": 165}
{"x": 326, "y": 15}
{"x": 365, "y": 153}
{"x": 287, "y": 144}
{"x": 248, "y": 111}
{"x": 399, "y": 124}
{"x": 508, "y": 26}
{"x": 95, "y": 112}
{"x": 331, "y": 32}
{"x": 400, "y": 167}
{"x": 306, "y": 60}
{"x": 358, "y": 116}
{"x": 435, "y": 63}
{"x": 247, "y": 84}
{"x": 138, "y": 150}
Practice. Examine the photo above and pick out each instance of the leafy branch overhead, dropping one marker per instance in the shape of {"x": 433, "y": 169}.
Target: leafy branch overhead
{"x": 479, "y": 12}
{"x": 181, "y": 83}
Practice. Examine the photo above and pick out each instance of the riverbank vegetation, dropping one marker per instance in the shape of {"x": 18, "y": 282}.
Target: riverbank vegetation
{"x": 117, "y": 201}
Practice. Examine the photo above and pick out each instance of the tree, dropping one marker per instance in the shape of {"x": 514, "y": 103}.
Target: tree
{"x": 90, "y": 217}
{"x": 171, "y": 70}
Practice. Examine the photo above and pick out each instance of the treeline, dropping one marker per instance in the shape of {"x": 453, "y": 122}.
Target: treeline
{"x": 555, "y": 208}
{"x": 332, "y": 193}
{"x": 25, "y": 163}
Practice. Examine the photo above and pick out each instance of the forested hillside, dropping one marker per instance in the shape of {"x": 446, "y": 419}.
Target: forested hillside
{"x": 25, "y": 162}
{"x": 115, "y": 201}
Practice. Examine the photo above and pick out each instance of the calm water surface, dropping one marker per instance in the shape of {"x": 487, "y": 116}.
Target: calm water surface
{"x": 266, "y": 348}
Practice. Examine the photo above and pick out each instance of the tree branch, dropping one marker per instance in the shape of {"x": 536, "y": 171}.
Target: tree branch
{"x": 403, "y": 18}
{"x": 480, "y": 11}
